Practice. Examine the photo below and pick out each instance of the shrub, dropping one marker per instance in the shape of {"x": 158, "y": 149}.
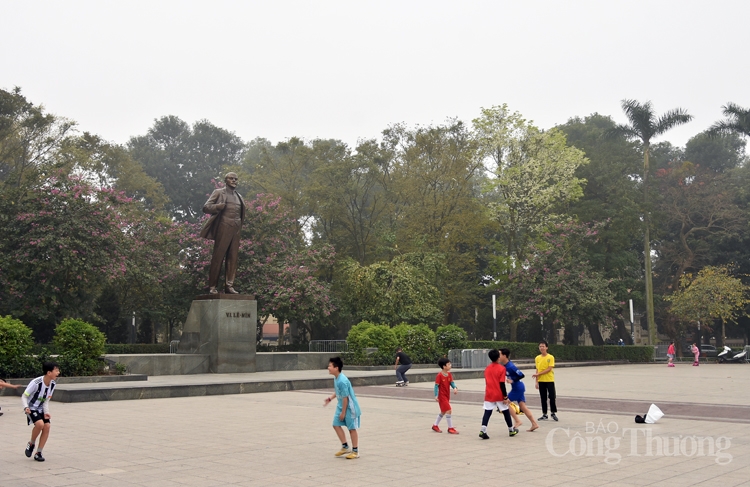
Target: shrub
{"x": 365, "y": 335}
{"x": 418, "y": 342}
{"x": 81, "y": 346}
{"x": 381, "y": 337}
{"x": 15, "y": 349}
{"x": 450, "y": 337}
{"x": 356, "y": 337}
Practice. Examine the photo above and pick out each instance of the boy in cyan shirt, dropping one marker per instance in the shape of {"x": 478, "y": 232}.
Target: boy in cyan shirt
{"x": 347, "y": 409}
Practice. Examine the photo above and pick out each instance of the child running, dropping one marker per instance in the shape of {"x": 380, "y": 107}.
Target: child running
{"x": 347, "y": 409}
{"x": 495, "y": 395}
{"x": 36, "y": 406}
{"x": 443, "y": 384}
{"x": 517, "y": 388}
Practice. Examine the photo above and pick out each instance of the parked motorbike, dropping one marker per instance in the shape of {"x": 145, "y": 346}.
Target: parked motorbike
{"x": 728, "y": 356}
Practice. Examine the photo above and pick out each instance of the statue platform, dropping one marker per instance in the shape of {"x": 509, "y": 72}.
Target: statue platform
{"x": 224, "y": 326}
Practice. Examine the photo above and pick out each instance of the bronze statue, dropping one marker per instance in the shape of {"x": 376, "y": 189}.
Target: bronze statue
{"x": 227, "y": 210}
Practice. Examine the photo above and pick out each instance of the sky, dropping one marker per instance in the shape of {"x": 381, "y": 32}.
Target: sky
{"x": 349, "y": 69}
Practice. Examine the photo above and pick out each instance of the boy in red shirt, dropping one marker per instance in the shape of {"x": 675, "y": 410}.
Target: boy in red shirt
{"x": 443, "y": 384}
{"x": 495, "y": 395}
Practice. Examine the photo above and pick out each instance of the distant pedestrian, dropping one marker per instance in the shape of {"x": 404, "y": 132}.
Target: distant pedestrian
{"x": 35, "y": 401}
{"x": 403, "y": 363}
{"x": 670, "y": 354}
{"x": 696, "y": 353}
{"x": 545, "y": 380}
{"x": 347, "y": 410}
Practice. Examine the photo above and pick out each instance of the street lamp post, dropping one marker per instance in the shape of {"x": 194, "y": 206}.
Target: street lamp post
{"x": 632, "y": 331}
{"x": 494, "y": 317}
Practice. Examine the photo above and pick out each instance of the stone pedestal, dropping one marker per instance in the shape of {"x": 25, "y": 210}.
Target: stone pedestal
{"x": 224, "y": 326}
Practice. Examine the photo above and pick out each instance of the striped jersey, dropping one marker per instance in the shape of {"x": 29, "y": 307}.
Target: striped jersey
{"x": 37, "y": 394}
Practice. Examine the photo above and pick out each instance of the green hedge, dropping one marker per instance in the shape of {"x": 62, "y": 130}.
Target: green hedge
{"x": 572, "y": 352}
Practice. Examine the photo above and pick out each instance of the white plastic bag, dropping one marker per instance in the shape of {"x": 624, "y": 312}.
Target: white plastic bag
{"x": 654, "y": 414}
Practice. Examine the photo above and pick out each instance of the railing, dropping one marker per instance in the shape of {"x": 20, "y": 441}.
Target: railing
{"x": 469, "y": 358}
{"x": 333, "y": 346}
{"x": 173, "y": 346}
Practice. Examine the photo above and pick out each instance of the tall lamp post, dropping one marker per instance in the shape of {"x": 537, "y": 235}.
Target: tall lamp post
{"x": 494, "y": 317}
{"x": 700, "y": 338}
{"x": 632, "y": 331}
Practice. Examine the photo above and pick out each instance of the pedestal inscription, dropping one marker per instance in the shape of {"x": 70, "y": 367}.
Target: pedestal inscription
{"x": 225, "y": 327}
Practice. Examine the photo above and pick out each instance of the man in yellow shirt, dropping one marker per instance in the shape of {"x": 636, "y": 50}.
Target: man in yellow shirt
{"x": 545, "y": 380}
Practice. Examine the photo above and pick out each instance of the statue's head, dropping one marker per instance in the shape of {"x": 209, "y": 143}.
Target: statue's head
{"x": 231, "y": 179}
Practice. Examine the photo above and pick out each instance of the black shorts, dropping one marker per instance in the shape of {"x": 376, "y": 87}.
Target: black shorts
{"x": 35, "y": 416}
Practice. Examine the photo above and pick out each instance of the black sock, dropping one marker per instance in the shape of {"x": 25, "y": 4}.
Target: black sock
{"x": 508, "y": 420}
{"x": 486, "y": 418}
{"x": 355, "y": 449}
{"x": 345, "y": 445}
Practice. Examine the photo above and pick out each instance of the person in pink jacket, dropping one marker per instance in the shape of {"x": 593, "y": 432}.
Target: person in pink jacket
{"x": 697, "y": 353}
{"x": 670, "y": 354}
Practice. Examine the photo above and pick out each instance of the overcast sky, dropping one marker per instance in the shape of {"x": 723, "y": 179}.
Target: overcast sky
{"x": 348, "y": 69}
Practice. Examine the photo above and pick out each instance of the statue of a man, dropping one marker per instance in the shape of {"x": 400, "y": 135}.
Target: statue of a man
{"x": 227, "y": 210}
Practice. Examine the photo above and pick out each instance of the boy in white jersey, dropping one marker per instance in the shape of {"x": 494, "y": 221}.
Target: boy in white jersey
{"x": 35, "y": 401}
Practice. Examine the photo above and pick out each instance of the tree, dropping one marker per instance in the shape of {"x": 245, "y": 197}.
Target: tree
{"x": 352, "y": 195}
{"x": 644, "y": 125}
{"x": 718, "y": 153}
{"x": 696, "y": 206}
{"x": 557, "y": 283}
{"x": 737, "y": 121}
{"x": 534, "y": 176}
{"x": 185, "y": 160}
{"x": 399, "y": 291}
{"x": 29, "y": 140}
{"x": 436, "y": 176}
{"x": 610, "y": 197}
{"x": 713, "y": 294}
{"x": 284, "y": 170}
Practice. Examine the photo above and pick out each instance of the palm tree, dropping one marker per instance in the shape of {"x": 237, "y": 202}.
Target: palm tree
{"x": 645, "y": 125}
{"x": 738, "y": 121}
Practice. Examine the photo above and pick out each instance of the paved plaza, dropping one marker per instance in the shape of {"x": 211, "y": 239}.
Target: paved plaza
{"x": 285, "y": 438}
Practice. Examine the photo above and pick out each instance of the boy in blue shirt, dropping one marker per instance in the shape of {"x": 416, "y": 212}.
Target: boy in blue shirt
{"x": 518, "y": 389}
{"x": 347, "y": 409}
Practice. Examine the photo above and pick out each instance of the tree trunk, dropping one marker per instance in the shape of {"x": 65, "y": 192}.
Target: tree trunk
{"x": 647, "y": 251}
{"x": 596, "y": 336}
{"x": 513, "y": 325}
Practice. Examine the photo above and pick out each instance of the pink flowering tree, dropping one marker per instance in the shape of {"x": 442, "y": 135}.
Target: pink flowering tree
{"x": 558, "y": 284}
{"x": 62, "y": 241}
